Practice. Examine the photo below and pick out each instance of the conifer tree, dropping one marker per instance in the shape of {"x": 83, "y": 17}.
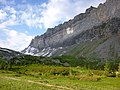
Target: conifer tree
{"x": 106, "y": 68}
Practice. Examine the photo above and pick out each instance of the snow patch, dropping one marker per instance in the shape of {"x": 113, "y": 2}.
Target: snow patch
{"x": 44, "y": 52}
{"x": 69, "y": 30}
{"x": 31, "y": 50}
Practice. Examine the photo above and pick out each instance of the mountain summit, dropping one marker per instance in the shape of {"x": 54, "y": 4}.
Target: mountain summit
{"x": 93, "y": 33}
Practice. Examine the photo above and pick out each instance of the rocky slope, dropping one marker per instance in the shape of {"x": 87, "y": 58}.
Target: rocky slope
{"x": 8, "y": 54}
{"x": 97, "y": 28}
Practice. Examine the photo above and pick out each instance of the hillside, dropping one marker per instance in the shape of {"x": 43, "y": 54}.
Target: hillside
{"x": 8, "y": 54}
{"x": 95, "y": 32}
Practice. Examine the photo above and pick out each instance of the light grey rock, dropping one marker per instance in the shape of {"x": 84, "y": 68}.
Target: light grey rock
{"x": 80, "y": 29}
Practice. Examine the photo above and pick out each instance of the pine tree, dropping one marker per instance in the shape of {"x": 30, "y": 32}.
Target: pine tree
{"x": 106, "y": 68}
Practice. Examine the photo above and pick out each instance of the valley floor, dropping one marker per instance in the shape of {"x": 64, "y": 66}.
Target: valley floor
{"x": 32, "y": 80}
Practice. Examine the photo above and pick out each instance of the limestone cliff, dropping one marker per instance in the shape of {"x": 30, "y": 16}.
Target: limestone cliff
{"x": 76, "y": 31}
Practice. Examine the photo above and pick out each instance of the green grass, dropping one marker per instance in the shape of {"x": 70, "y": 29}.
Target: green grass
{"x": 104, "y": 84}
{"x": 19, "y": 77}
{"x": 7, "y": 84}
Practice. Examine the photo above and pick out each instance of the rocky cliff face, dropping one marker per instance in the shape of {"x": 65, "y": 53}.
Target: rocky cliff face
{"x": 78, "y": 30}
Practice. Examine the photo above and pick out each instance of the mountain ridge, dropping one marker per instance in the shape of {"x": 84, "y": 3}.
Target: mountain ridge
{"x": 72, "y": 32}
{"x": 8, "y": 54}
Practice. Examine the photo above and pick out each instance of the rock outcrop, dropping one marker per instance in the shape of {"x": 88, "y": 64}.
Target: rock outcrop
{"x": 78, "y": 30}
{"x": 7, "y": 54}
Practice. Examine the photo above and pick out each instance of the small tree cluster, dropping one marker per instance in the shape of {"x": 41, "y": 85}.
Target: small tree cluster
{"x": 3, "y": 64}
{"x": 106, "y": 68}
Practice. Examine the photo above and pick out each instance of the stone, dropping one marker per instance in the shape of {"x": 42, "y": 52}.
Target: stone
{"x": 82, "y": 28}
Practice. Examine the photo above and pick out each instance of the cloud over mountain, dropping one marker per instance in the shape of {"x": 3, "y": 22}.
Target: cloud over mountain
{"x": 37, "y": 15}
{"x": 15, "y": 40}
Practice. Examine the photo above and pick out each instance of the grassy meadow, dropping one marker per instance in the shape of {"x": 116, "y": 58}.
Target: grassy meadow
{"x": 47, "y": 77}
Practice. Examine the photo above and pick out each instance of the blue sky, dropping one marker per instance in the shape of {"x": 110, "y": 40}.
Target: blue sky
{"x": 22, "y": 20}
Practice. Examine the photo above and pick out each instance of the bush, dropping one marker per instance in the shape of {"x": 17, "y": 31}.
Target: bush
{"x": 86, "y": 78}
{"x": 98, "y": 72}
{"x": 112, "y": 74}
{"x": 117, "y": 74}
{"x": 106, "y": 69}
{"x": 3, "y": 64}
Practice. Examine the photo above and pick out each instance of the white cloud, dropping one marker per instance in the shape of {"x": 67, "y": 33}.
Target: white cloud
{"x": 10, "y": 9}
{"x": 53, "y": 12}
{"x": 57, "y": 11}
{"x": 8, "y": 17}
{"x": 37, "y": 16}
{"x": 15, "y": 40}
{"x": 48, "y": 14}
{"x": 31, "y": 16}
{"x": 2, "y": 15}
{"x": 7, "y": 23}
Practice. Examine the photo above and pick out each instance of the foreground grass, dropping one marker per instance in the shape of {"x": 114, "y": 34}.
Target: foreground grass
{"x": 8, "y": 84}
{"x": 37, "y": 77}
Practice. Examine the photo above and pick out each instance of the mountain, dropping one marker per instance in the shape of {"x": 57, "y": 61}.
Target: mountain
{"x": 95, "y": 33}
{"x": 8, "y": 54}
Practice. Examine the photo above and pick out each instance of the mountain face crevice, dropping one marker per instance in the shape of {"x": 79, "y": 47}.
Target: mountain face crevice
{"x": 94, "y": 24}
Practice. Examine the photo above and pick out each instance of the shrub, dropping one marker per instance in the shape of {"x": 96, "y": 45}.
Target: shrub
{"x": 98, "y": 72}
{"x": 3, "y": 64}
{"x": 86, "y": 78}
{"x": 106, "y": 69}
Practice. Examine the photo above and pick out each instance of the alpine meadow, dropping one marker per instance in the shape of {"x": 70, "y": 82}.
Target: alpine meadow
{"x": 82, "y": 53}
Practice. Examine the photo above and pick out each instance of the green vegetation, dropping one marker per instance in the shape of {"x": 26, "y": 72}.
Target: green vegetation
{"x": 3, "y": 64}
{"x": 45, "y": 77}
{"x": 59, "y": 73}
{"x": 118, "y": 73}
{"x": 107, "y": 68}
{"x": 66, "y": 61}
{"x": 119, "y": 68}
{"x": 8, "y": 84}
